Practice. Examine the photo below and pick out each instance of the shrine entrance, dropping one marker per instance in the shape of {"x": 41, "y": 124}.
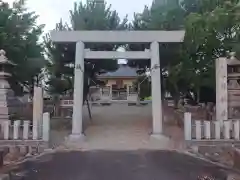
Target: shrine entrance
{"x": 119, "y": 91}
{"x": 117, "y": 37}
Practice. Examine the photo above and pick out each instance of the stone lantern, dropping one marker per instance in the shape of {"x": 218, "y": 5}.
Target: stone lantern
{"x": 233, "y": 88}
{"x": 6, "y": 94}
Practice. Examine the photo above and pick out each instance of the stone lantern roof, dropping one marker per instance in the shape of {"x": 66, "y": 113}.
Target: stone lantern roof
{"x": 3, "y": 58}
{"x": 234, "y": 64}
{"x": 4, "y": 62}
{"x": 233, "y": 61}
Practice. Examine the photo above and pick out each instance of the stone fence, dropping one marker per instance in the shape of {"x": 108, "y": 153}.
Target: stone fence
{"x": 23, "y": 131}
{"x": 203, "y": 132}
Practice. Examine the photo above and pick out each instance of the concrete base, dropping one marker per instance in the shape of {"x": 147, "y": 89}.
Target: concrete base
{"x": 74, "y": 141}
{"x": 159, "y": 137}
{"x": 76, "y": 138}
{"x": 160, "y": 141}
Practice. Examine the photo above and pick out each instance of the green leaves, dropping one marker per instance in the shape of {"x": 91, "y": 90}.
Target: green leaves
{"x": 19, "y": 35}
{"x": 212, "y": 30}
{"x": 90, "y": 16}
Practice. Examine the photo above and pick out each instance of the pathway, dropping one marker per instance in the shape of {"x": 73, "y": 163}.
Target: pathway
{"x": 118, "y": 147}
{"x": 123, "y": 127}
{"x": 118, "y": 165}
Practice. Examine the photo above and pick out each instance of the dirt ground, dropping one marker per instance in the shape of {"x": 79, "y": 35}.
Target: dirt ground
{"x": 119, "y": 126}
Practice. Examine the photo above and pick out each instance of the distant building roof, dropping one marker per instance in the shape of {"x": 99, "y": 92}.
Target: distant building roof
{"x": 122, "y": 71}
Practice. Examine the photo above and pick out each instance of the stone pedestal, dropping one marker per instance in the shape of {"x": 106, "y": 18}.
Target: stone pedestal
{"x": 160, "y": 137}
{"x": 6, "y": 101}
{"x": 76, "y": 138}
{"x": 163, "y": 141}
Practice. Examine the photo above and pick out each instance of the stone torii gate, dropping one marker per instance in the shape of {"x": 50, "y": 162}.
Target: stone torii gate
{"x": 81, "y": 37}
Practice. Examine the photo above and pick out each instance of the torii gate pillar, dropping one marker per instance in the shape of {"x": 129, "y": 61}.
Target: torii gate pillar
{"x": 81, "y": 37}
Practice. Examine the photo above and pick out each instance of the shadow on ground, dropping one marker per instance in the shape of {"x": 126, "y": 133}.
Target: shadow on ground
{"x": 117, "y": 165}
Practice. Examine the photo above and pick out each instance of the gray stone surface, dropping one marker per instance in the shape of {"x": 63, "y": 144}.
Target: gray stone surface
{"x": 118, "y": 127}
{"x": 4, "y": 177}
{"x": 119, "y": 165}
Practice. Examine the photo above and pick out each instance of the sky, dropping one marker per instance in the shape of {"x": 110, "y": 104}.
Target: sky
{"x": 51, "y": 11}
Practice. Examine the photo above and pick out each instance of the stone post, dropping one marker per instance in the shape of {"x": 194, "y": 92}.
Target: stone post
{"x": 46, "y": 126}
{"x": 156, "y": 89}
{"x": 221, "y": 90}
{"x": 101, "y": 92}
{"x": 128, "y": 90}
{"x": 110, "y": 93}
{"x": 37, "y": 112}
{"x": 78, "y": 93}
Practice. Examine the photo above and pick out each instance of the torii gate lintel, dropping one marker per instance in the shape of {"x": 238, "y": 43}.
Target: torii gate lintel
{"x": 81, "y": 37}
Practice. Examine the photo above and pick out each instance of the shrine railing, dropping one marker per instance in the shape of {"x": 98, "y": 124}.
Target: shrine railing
{"x": 131, "y": 99}
{"x": 210, "y": 132}
{"x": 22, "y": 132}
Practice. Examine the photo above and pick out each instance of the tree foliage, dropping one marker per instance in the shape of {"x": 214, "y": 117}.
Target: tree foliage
{"x": 168, "y": 16}
{"x": 19, "y": 35}
{"x": 90, "y": 16}
{"x": 212, "y": 31}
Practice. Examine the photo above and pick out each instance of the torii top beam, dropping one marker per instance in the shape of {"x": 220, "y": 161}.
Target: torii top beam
{"x": 118, "y": 36}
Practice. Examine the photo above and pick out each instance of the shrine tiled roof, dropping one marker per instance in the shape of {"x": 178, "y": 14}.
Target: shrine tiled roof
{"x": 122, "y": 71}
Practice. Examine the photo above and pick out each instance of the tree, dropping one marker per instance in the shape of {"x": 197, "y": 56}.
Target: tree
{"x": 19, "y": 35}
{"x": 162, "y": 16}
{"x": 90, "y": 16}
{"x": 211, "y": 32}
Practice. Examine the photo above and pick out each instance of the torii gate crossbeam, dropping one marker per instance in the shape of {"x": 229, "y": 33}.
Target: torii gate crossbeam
{"x": 116, "y": 37}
